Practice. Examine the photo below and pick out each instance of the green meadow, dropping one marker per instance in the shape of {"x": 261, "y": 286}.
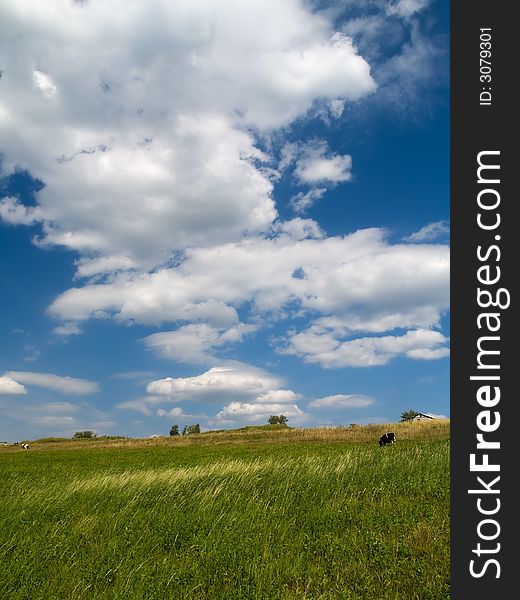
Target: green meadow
{"x": 260, "y": 513}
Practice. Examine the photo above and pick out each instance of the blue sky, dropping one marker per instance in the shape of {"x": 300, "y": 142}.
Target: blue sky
{"x": 215, "y": 212}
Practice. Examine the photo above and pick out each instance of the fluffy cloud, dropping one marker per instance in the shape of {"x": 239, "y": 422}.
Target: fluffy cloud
{"x": 341, "y": 401}
{"x": 258, "y": 412}
{"x": 139, "y": 120}
{"x": 316, "y": 167}
{"x": 57, "y": 383}
{"x": 248, "y": 395}
{"x": 272, "y": 402}
{"x": 352, "y": 284}
{"x": 325, "y": 349}
{"x": 67, "y": 329}
{"x": 9, "y": 386}
{"x": 171, "y": 414}
{"x": 14, "y": 213}
{"x": 44, "y": 84}
{"x": 217, "y": 383}
{"x": 195, "y": 343}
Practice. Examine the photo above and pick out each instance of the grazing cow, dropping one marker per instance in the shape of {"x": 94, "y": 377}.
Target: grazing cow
{"x": 387, "y": 438}
{"x": 25, "y": 446}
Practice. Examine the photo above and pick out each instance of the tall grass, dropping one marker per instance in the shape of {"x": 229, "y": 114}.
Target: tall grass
{"x": 271, "y": 434}
{"x": 276, "y": 520}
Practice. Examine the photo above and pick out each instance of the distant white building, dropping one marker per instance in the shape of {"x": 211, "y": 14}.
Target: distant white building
{"x": 426, "y": 417}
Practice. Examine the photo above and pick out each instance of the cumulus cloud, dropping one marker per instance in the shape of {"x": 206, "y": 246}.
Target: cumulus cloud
{"x": 14, "y": 213}
{"x": 248, "y": 394}
{"x": 237, "y": 412}
{"x": 195, "y": 343}
{"x": 141, "y": 123}
{"x": 141, "y": 405}
{"x": 67, "y": 329}
{"x": 57, "y": 383}
{"x": 359, "y": 278}
{"x": 171, "y": 414}
{"x": 217, "y": 383}
{"x": 316, "y": 167}
{"x": 272, "y": 402}
{"x": 9, "y": 386}
{"x": 351, "y": 285}
{"x": 325, "y": 349}
{"x": 341, "y": 401}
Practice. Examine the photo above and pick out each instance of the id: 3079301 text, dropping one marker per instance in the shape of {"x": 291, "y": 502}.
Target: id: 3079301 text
{"x": 485, "y": 66}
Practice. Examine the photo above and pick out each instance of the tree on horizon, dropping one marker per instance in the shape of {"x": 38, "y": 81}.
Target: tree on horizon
{"x": 408, "y": 415}
{"x": 277, "y": 420}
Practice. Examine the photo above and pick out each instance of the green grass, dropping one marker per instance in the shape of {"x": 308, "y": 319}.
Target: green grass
{"x": 270, "y": 518}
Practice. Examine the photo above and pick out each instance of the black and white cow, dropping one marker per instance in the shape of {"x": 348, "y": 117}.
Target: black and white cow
{"x": 387, "y": 438}
{"x": 25, "y": 446}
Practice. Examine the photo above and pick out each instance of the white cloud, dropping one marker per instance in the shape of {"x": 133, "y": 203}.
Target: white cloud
{"x": 298, "y": 229}
{"x": 325, "y": 349}
{"x": 351, "y": 285}
{"x": 172, "y": 414}
{"x": 257, "y": 412}
{"x": 317, "y": 168}
{"x": 195, "y": 343}
{"x": 67, "y": 329}
{"x": 14, "y": 213}
{"x": 53, "y": 422}
{"x": 248, "y": 395}
{"x": 139, "y": 121}
{"x": 358, "y": 278}
{"x": 341, "y": 401}
{"x": 421, "y": 62}
{"x": 429, "y": 232}
{"x": 407, "y": 8}
{"x": 64, "y": 385}
{"x": 258, "y": 409}
{"x": 141, "y": 405}
{"x": 217, "y": 383}
{"x": 315, "y": 165}
{"x": 44, "y": 83}
{"x": 304, "y": 200}
{"x": 9, "y": 386}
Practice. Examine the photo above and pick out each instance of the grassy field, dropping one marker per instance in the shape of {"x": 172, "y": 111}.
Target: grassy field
{"x": 253, "y": 514}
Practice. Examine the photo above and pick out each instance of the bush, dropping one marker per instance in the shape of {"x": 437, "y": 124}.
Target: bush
{"x": 174, "y": 430}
